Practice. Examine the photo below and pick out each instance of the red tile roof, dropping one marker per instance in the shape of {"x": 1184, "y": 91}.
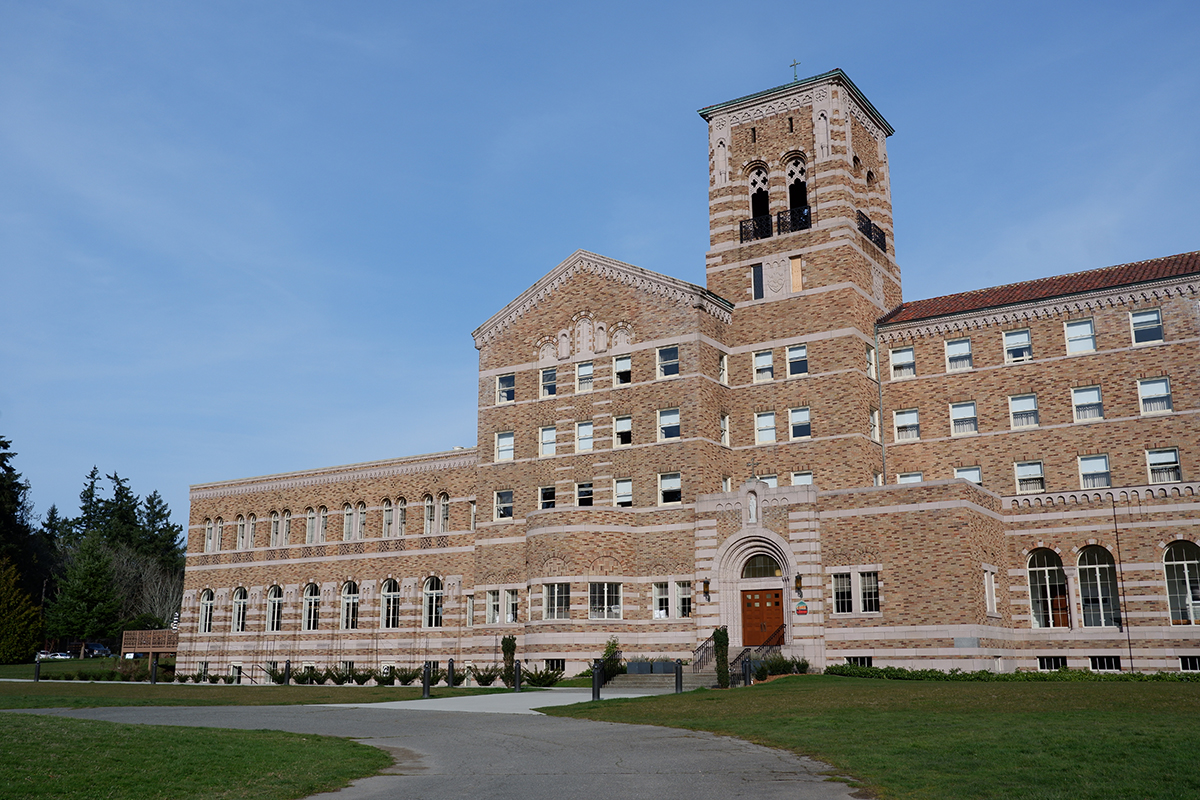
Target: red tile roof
{"x": 1044, "y": 288}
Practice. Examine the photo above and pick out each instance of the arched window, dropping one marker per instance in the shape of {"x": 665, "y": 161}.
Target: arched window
{"x": 323, "y": 522}
{"x": 206, "y": 611}
{"x": 360, "y": 521}
{"x": 444, "y": 515}
{"x": 797, "y": 183}
{"x": 347, "y": 523}
{"x": 220, "y": 533}
{"x": 310, "y": 526}
{"x": 432, "y": 616}
{"x": 275, "y": 531}
{"x": 1048, "y": 590}
{"x": 428, "y": 514}
{"x": 209, "y": 541}
{"x": 286, "y": 536}
{"x": 275, "y": 609}
{"x": 762, "y": 566}
{"x": 1098, "y": 587}
{"x": 241, "y": 532}
{"x": 349, "y": 606}
{"x": 401, "y": 516}
{"x": 239, "y": 610}
{"x": 387, "y": 518}
{"x": 1182, "y": 562}
{"x": 760, "y": 204}
{"x": 390, "y": 604}
{"x": 312, "y": 607}
{"x": 251, "y": 528}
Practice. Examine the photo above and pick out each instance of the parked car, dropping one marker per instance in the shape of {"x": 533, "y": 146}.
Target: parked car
{"x": 96, "y": 650}
{"x": 60, "y": 656}
{"x": 43, "y": 654}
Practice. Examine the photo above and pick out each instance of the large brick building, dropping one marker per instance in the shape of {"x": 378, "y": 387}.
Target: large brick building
{"x": 994, "y": 479}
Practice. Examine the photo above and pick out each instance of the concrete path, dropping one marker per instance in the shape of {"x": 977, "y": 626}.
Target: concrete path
{"x": 518, "y": 755}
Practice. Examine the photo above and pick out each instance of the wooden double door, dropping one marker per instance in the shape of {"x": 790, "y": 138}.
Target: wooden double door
{"x": 762, "y": 615}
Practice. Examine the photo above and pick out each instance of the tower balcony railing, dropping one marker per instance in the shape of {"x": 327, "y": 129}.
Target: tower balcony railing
{"x": 756, "y": 228}
{"x": 794, "y": 219}
{"x": 872, "y": 231}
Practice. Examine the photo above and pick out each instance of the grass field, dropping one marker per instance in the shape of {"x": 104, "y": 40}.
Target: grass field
{"x": 951, "y": 741}
{"x": 74, "y": 759}
{"x": 25, "y": 671}
{"x": 70, "y": 694}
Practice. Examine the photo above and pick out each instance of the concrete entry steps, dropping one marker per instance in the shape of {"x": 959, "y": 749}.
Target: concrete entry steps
{"x": 664, "y": 683}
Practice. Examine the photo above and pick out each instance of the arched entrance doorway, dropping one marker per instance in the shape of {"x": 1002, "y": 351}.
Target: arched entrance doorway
{"x": 762, "y": 604}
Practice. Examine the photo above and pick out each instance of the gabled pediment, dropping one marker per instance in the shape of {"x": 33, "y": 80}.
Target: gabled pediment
{"x": 581, "y": 261}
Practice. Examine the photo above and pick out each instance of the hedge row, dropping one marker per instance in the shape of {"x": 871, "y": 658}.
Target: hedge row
{"x": 902, "y": 674}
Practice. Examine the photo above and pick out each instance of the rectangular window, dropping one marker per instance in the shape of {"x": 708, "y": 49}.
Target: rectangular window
{"x": 958, "y": 355}
{"x": 549, "y": 382}
{"x": 583, "y": 494}
{"x": 623, "y": 492}
{"x": 726, "y": 484}
{"x": 504, "y": 504}
{"x": 1087, "y": 403}
{"x": 868, "y": 590}
{"x": 670, "y": 488}
{"x": 1051, "y": 663}
{"x": 907, "y": 425}
{"x": 1164, "y": 466}
{"x": 799, "y": 422}
{"x": 873, "y": 425}
{"x": 764, "y": 427}
{"x": 1155, "y": 395}
{"x": 1023, "y": 410}
{"x": 910, "y": 477}
{"x": 493, "y": 607}
{"x": 972, "y": 474}
{"x": 904, "y": 363}
{"x": 470, "y": 611}
{"x": 963, "y": 420}
{"x": 546, "y": 497}
{"x": 583, "y": 377}
{"x": 770, "y": 480}
{"x": 1081, "y": 336}
{"x": 724, "y": 422}
{"x": 683, "y": 599}
{"x": 622, "y": 431}
{"x": 1189, "y": 663}
{"x": 1030, "y": 479}
{"x": 860, "y": 661}
{"x": 802, "y": 479}
{"x": 798, "y": 360}
{"x": 506, "y": 388}
{"x": 1093, "y": 472}
{"x": 556, "y": 601}
{"x": 512, "y": 606}
{"x": 764, "y": 369}
{"x": 604, "y": 601}
{"x": 843, "y": 597}
{"x": 662, "y": 601}
{"x": 723, "y": 369}
{"x": 1017, "y": 347}
{"x": 756, "y": 282}
{"x": 622, "y": 370}
{"x": 546, "y": 441}
{"x": 872, "y": 365}
{"x": 583, "y": 437}
{"x": 504, "y": 446}
{"x": 1147, "y": 326}
{"x": 668, "y": 361}
{"x": 1105, "y": 663}
{"x": 989, "y": 591}
{"x": 668, "y": 424}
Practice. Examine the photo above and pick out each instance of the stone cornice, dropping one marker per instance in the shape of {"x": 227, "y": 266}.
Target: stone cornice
{"x": 1154, "y": 291}
{"x": 434, "y": 462}
{"x": 581, "y": 261}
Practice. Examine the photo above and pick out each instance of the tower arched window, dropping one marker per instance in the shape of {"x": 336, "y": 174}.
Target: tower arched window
{"x": 388, "y": 519}
{"x": 1048, "y": 590}
{"x": 241, "y": 532}
{"x": 1182, "y": 563}
{"x": 275, "y": 609}
{"x": 401, "y": 515}
{"x": 206, "y": 611}
{"x": 443, "y": 513}
{"x": 349, "y": 606}
{"x": 251, "y": 530}
{"x": 428, "y": 514}
{"x": 275, "y": 530}
{"x": 220, "y": 533}
{"x": 390, "y": 604}
{"x": 240, "y": 602}
{"x": 312, "y": 607}
{"x": 310, "y": 526}
{"x": 347, "y": 522}
{"x": 1098, "y": 587}
{"x": 286, "y": 535}
{"x": 209, "y": 541}
{"x": 360, "y": 521}
{"x": 760, "y": 202}
{"x": 432, "y": 606}
{"x": 323, "y": 523}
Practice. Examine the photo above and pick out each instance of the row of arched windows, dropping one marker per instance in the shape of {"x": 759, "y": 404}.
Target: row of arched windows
{"x": 432, "y": 597}
{"x": 1097, "y": 585}
{"x": 393, "y": 522}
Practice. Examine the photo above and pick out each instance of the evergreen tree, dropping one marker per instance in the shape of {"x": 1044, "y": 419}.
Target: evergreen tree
{"x": 91, "y": 510}
{"x": 20, "y": 620}
{"x": 119, "y": 516}
{"x": 24, "y": 546}
{"x": 163, "y": 538}
{"x": 87, "y": 606}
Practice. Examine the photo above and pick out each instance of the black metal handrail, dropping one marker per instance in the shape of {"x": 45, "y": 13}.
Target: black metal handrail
{"x": 756, "y": 228}
{"x": 703, "y": 655}
{"x": 872, "y": 231}
{"x": 611, "y": 664}
{"x": 794, "y": 219}
{"x": 735, "y": 667}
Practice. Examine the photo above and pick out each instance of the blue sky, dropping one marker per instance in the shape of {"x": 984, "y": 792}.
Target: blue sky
{"x": 245, "y": 238}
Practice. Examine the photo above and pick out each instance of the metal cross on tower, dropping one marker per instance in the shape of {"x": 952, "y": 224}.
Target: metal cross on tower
{"x": 753, "y": 465}
{"x": 795, "y": 64}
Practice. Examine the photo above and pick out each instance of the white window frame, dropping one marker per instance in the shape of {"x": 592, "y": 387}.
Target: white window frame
{"x": 909, "y": 477}
{"x": 274, "y": 609}
{"x": 241, "y": 604}
{"x": 683, "y": 600}
{"x": 585, "y": 377}
{"x": 723, "y": 369}
{"x": 556, "y": 601}
{"x": 772, "y": 480}
{"x": 872, "y": 363}
{"x": 347, "y": 522}
{"x": 973, "y": 474}
{"x": 863, "y": 587}
{"x": 506, "y": 446}
{"x": 1134, "y": 327}
{"x": 389, "y": 604}
{"x": 585, "y": 438}
{"x": 609, "y": 596}
{"x": 311, "y": 608}
{"x": 764, "y": 366}
{"x": 665, "y": 416}
{"x": 433, "y": 603}
{"x": 797, "y": 354}
{"x": 1097, "y": 474}
{"x": 512, "y": 607}
{"x": 207, "y": 603}
{"x": 591, "y": 494}
{"x": 961, "y": 360}
{"x": 660, "y": 600}
{"x": 622, "y": 424}
{"x": 1081, "y": 400}
{"x": 1080, "y": 335}
{"x": 797, "y": 417}
{"x": 959, "y": 414}
{"x": 1163, "y": 464}
{"x": 723, "y": 422}
{"x": 350, "y": 606}
{"x": 623, "y": 492}
{"x": 669, "y": 482}
{"x": 804, "y": 478}
{"x": 546, "y": 497}
{"x": 1015, "y": 343}
{"x": 903, "y": 361}
{"x": 548, "y": 382}
{"x": 1025, "y": 471}
{"x": 498, "y": 508}
{"x": 764, "y": 427}
{"x": 275, "y": 529}
{"x": 1021, "y": 400}
{"x": 668, "y": 365}
{"x": 873, "y": 426}
{"x": 906, "y": 425}
{"x": 492, "y": 609}
{"x": 989, "y": 592}
{"x": 1144, "y": 398}
{"x": 622, "y": 364}
{"x": 510, "y": 390}
{"x": 547, "y": 441}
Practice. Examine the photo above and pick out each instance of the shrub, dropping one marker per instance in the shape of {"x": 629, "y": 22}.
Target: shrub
{"x": 778, "y": 664}
{"x": 721, "y": 651}
{"x": 1062, "y": 675}
{"x": 760, "y": 671}
{"x": 387, "y": 678}
{"x": 361, "y": 676}
{"x": 407, "y": 675}
{"x": 800, "y": 666}
{"x": 542, "y": 677}
{"x": 508, "y": 646}
{"x": 486, "y": 676}
{"x": 460, "y": 675}
{"x": 229, "y": 679}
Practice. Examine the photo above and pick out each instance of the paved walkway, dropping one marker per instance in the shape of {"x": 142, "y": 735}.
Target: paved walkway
{"x": 504, "y": 751}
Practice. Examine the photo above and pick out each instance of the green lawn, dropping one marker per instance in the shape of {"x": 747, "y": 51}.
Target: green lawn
{"x": 74, "y": 759}
{"x": 58, "y": 667}
{"x": 70, "y": 694}
{"x": 912, "y": 739}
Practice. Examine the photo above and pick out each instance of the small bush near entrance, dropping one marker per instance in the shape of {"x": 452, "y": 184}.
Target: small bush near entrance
{"x": 541, "y": 677}
{"x": 486, "y": 676}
